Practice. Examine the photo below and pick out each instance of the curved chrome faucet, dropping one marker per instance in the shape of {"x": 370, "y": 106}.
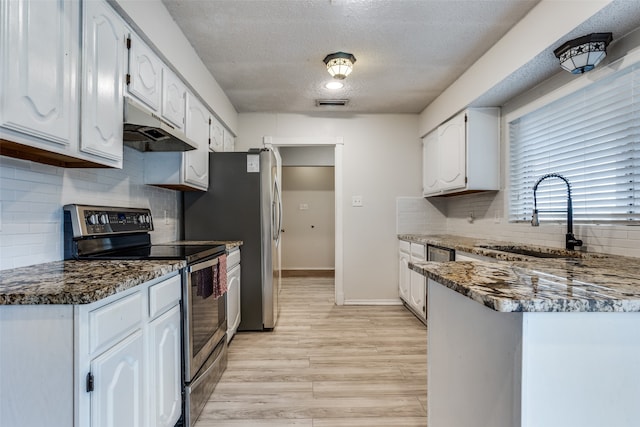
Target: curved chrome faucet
{"x": 570, "y": 240}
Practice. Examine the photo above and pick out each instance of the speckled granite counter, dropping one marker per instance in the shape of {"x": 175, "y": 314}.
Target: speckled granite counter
{"x": 77, "y": 282}
{"x": 518, "y": 283}
{"x": 230, "y": 244}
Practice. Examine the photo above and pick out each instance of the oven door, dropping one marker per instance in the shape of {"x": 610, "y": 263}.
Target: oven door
{"x": 205, "y": 318}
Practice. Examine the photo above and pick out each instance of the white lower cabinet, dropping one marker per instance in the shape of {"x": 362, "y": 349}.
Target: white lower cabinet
{"x": 233, "y": 293}
{"x": 412, "y": 286}
{"x": 166, "y": 381}
{"x": 112, "y": 363}
{"x": 417, "y": 296}
{"x": 134, "y": 365}
{"x": 118, "y": 395}
{"x": 404, "y": 273}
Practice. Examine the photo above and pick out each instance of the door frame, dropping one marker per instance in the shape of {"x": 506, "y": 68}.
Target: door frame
{"x": 338, "y": 144}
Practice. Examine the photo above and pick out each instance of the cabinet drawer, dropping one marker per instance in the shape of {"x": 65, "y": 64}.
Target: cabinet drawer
{"x": 114, "y": 321}
{"x": 233, "y": 259}
{"x": 418, "y": 251}
{"x": 404, "y": 246}
{"x": 164, "y": 295}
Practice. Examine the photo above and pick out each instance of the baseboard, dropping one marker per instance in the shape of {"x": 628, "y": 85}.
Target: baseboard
{"x": 373, "y": 302}
{"x": 308, "y": 273}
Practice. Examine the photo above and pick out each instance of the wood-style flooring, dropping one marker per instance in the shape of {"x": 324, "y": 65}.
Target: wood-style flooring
{"x": 324, "y": 366}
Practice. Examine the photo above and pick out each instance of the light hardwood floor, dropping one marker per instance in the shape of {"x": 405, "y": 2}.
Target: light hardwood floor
{"x": 324, "y": 366}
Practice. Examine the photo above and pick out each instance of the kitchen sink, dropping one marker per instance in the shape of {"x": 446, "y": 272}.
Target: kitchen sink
{"x": 537, "y": 253}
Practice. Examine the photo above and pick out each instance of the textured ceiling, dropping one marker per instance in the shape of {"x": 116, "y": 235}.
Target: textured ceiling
{"x": 267, "y": 54}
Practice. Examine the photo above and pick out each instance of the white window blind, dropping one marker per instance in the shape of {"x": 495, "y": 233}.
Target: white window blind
{"x": 591, "y": 137}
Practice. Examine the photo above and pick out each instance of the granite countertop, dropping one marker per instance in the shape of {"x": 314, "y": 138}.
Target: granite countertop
{"x": 230, "y": 244}
{"x": 77, "y": 282}
{"x": 587, "y": 282}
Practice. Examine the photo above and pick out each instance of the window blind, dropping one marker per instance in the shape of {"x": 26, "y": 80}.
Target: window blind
{"x": 591, "y": 137}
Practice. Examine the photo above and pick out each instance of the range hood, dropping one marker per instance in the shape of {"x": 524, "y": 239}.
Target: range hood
{"x": 145, "y": 131}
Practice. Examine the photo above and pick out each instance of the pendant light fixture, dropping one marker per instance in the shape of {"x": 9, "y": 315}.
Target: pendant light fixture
{"x": 580, "y": 55}
{"x": 339, "y": 64}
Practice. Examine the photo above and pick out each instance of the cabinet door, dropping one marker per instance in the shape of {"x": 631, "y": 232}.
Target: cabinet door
{"x": 118, "y": 398}
{"x": 430, "y": 164}
{"x": 418, "y": 293}
{"x": 233, "y": 301}
{"x": 173, "y": 98}
{"x": 217, "y": 135}
{"x": 39, "y": 69}
{"x": 165, "y": 368}
{"x": 196, "y": 162}
{"x": 145, "y": 74}
{"x": 103, "y": 84}
{"x": 452, "y": 156}
{"x": 404, "y": 279}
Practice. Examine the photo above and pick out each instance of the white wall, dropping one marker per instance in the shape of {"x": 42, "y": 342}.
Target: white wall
{"x": 32, "y": 196}
{"x": 382, "y": 160}
{"x": 308, "y": 200}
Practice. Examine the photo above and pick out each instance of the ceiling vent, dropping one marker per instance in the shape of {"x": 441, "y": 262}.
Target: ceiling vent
{"x": 331, "y": 102}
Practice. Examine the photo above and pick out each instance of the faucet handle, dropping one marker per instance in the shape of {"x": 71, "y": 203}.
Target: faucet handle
{"x": 572, "y": 242}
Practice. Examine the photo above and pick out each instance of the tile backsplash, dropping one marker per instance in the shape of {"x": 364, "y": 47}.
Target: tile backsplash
{"x": 32, "y": 196}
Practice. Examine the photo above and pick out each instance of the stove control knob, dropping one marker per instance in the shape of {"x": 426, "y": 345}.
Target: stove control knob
{"x": 147, "y": 219}
{"x": 104, "y": 219}
{"x": 141, "y": 219}
{"x": 92, "y": 219}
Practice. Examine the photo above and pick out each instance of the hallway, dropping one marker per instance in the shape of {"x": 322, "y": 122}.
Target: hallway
{"x": 324, "y": 366}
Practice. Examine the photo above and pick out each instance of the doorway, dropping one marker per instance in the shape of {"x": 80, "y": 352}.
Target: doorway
{"x": 335, "y": 144}
{"x": 308, "y": 204}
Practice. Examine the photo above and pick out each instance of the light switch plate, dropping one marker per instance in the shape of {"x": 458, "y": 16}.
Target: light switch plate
{"x": 356, "y": 201}
{"x": 304, "y": 206}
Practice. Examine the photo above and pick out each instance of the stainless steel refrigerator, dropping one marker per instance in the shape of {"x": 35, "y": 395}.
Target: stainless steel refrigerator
{"x": 243, "y": 203}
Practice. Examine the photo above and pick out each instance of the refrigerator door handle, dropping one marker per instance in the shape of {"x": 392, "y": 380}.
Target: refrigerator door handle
{"x": 277, "y": 212}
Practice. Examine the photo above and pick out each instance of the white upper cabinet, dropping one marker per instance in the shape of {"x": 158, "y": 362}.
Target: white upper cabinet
{"x": 39, "y": 69}
{"x": 173, "y": 98}
{"x": 145, "y": 73}
{"x": 217, "y": 135}
{"x": 452, "y": 150}
{"x": 196, "y": 162}
{"x": 188, "y": 170}
{"x": 103, "y": 68}
{"x": 430, "y": 167}
{"x": 462, "y": 155}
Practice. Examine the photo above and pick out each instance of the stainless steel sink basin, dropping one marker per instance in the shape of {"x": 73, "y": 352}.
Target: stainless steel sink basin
{"x": 537, "y": 253}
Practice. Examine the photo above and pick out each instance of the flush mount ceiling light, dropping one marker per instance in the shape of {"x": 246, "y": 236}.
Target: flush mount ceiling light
{"x": 339, "y": 64}
{"x": 580, "y": 55}
{"x": 334, "y": 84}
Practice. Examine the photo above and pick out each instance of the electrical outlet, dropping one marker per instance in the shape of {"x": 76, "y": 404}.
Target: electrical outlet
{"x": 166, "y": 218}
{"x": 496, "y": 217}
{"x": 356, "y": 201}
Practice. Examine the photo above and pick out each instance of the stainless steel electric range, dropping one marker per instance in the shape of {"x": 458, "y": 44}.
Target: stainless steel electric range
{"x": 116, "y": 233}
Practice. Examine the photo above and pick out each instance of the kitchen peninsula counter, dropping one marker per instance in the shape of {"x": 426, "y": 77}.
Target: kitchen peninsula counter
{"x": 524, "y": 341}
{"x": 77, "y": 282}
{"x": 590, "y": 282}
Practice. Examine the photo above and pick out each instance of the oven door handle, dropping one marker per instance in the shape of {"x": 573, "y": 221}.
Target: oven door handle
{"x": 202, "y": 265}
